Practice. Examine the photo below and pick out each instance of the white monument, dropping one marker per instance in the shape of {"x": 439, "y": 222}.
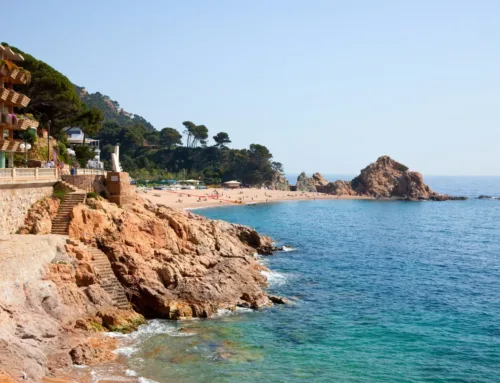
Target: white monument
{"x": 115, "y": 160}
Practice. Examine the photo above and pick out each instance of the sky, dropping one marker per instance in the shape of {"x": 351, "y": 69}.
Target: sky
{"x": 327, "y": 86}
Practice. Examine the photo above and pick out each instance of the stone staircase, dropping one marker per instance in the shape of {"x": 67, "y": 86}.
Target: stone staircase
{"x": 60, "y": 224}
{"x": 105, "y": 274}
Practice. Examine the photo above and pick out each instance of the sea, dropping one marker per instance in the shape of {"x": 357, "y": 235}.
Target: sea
{"x": 379, "y": 292}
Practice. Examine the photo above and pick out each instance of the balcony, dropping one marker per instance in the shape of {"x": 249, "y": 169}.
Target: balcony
{"x": 14, "y": 99}
{"x": 9, "y": 145}
{"x": 25, "y": 123}
{"x": 4, "y": 94}
{"x": 14, "y": 74}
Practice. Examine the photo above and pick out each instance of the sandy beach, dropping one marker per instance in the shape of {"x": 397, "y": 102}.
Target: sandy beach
{"x": 189, "y": 199}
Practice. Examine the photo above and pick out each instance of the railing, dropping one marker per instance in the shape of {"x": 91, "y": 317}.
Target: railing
{"x": 90, "y": 172}
{"x": 24, "y": 174}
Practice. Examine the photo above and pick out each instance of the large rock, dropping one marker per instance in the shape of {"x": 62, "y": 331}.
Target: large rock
{"x": 380, "y": 178}
{"x": 386, "y": 178}
{"x": 279, "y": 182}
{"x": 318, "y": 180}
{"x": 305, "y": 184}
{"x": 175, "y": 264}
{"x": 340, "y": 188}
{"x": 39, "y": 217}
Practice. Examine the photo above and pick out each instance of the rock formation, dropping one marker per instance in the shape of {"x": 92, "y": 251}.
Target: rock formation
{"x": 39, "y": 217}
{"x": 43, "y": 306}
{"x": 175, "y": 264}
{"x": 340, "y": 188}
{"x": 304, "y": 183}
{"x": 386, "y": 178}
{"x": 318, "y": 180}
{"x": 279, "y": 182}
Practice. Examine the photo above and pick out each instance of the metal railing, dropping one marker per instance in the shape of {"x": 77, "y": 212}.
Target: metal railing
{"x": 23, "y": 174}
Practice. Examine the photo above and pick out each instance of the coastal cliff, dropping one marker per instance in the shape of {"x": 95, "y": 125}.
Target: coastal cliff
{"x": 172, "y": 264}
{"x": 175, "y": 264}
{"x": 386, "y": 178}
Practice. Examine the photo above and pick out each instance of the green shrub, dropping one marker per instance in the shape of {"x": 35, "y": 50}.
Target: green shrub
{"x": 91, "y": 195}
{"x": 61, "y": 194}
{"x": 60, "y": 191}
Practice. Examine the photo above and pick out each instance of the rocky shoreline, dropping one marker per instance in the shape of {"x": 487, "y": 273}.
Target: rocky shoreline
{"x": 171, "y": 264}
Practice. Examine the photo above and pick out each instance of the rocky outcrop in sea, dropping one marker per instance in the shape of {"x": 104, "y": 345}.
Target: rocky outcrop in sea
{"x": 305, "y": 184}
{"x": 386, "y": 178}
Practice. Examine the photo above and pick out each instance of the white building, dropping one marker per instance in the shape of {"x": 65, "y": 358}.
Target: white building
{"x": 75, "y": 137}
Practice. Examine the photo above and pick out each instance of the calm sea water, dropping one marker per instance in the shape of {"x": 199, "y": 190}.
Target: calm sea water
{"x": 381, "y": 291}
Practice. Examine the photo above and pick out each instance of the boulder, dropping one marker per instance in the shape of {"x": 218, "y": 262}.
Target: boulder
{"x": 305, "y": 184}
{"x": 39, "y": 217}
{"x": 279, "y": 182}
{"x": 318, "y": 180}
{"x": 340, "y": 188}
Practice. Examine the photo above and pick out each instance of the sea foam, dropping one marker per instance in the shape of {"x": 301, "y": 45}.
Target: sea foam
{"x": 274, "y": 278}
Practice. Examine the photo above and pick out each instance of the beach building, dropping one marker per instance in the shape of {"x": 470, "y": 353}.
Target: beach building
{"x": 75, "y": 136}
{"x": 12, "y": 124}
{"x": 232, "y": 184}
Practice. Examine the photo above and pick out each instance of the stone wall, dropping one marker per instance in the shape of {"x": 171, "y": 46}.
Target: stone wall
{"x": 15, "y": 201}
{"x": 89, "y": 183}
{"x": 118, "y": 185}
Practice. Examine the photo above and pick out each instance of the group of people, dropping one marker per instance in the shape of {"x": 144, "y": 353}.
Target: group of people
{"x": 60, "y": 166}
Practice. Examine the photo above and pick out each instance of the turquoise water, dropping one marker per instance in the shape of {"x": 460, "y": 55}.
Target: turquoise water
{"x": 381, "y": 291}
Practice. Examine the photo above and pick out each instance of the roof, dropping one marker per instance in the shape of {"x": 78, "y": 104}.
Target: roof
{"x": 232, "y": 182}
{"x": 9, "y": 54}
{"x": 191, "y": 181}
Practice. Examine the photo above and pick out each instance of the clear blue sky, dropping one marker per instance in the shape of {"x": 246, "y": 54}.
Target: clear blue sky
{"x": 326, "y": 85}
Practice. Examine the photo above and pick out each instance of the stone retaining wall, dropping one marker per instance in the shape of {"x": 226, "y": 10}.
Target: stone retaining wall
{"x": 15, "y": 201}
{"x": 89, "y": 183}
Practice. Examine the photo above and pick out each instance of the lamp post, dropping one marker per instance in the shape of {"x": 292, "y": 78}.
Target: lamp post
{"x": 25, "y": 146}
{"x": 48, "y": 141}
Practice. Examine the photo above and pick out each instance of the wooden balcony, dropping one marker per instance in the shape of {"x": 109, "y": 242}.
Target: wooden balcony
{"x": 25, "y": 123}
{"x": 9, "y": 145}
{"x": 24, "y": 101}
{"x": 14, "y": 75}
{"x": 4, "y": 94}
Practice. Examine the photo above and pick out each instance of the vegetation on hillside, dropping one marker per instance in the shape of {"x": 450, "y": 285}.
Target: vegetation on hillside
{"x": 145, "y": 152}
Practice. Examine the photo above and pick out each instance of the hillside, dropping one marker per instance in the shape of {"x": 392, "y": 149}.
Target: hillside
{"x": 111, "y": 109}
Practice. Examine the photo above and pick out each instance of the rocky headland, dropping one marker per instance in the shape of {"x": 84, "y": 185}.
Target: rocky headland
{"x": 383, "y": 179}
{"x": 170, "y": 264}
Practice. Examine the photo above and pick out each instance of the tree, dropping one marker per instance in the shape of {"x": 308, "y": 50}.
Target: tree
{"x": 170, "y": 137}
{"x": 195, "y": 134}
{"x": 277, "y": 167}
{"x": 28, "y": 136}
{"x": 189, "y": 131}
{"x": 200, "y": 135}
{"x": 89, "y": 121}
{"x": 83, "y": 154}
{"x": 221, "y": 139}
{"x": 53, "y": 96}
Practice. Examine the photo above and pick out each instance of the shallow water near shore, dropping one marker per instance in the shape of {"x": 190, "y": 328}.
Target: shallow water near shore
{"x": 381, "y": 292}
